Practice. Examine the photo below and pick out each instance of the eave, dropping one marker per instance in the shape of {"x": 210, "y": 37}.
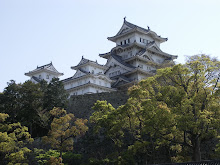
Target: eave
{"x": 31, "y": 73}
{"x": 89, "y": 63}
{"x": 89, "y": 84}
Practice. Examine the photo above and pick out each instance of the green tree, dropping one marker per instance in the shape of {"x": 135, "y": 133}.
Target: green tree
{"x": 13, "y": 138}
{"x": 30, "y": 103}
{"x": 54, "y": 94}
{"x": 189, "y": 91}
{"x": 177, "y": 108}
{"x": 63, "y": 129}
{"x": 9, "y": 100}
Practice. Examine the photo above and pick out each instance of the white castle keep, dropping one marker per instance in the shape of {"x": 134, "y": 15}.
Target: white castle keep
{"x": 137, "y": 55}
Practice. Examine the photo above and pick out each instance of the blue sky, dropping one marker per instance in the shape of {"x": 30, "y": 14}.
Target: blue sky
{"x": 36, "y": 32}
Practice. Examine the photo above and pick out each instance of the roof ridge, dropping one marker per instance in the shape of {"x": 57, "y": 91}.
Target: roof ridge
{"x": 45, "y": 65}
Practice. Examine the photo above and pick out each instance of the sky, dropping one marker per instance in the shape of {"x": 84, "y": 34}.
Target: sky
{"x": 36, "y": 32}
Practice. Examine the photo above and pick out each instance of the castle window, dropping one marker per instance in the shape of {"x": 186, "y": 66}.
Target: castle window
{"x": 121, "y": 42}
{"x": 47, "y": 76}
{"x": 39, "y": 76}
{"x": 128, "y": 40}
{"x": 124, "y": 41}
{"x": 140, "y": 39}
{"x": 92, "y": 71}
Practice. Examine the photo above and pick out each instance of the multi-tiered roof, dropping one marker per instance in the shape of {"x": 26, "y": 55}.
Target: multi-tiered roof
{"x": 136, "y": 46}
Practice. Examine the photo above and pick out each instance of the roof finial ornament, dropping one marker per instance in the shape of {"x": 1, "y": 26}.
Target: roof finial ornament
{"x": 148, "y": 27}
{"x": 82, "y": 56}
{"x": 125, "y": 18}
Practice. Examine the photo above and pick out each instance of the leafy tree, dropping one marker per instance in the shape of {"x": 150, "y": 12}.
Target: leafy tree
{"x": 9, "y": 100}
{"x": 30, "y": 103}
{"x": 54, "y": 94}
{"x": 177, "y": 108}
{"x": 63, "y": 129}
{"x": 189, "y": 91}
{"x": 13, "y": 138}
{"x": 51, "y": 156}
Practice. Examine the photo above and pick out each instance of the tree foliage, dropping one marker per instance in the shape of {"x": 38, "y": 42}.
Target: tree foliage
{"x": 13, "y": 138}
{"x": 178, "y": 109}
{"x": 30, "y": 103}
{"x": 63, "y": 130}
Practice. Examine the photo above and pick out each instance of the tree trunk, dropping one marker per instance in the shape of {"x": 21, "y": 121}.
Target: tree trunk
{"x": 61, "y": 154}
{"x": 196, "y": 150}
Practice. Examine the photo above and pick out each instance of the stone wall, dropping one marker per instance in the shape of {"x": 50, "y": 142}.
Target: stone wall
{"x": 81, "y": 105}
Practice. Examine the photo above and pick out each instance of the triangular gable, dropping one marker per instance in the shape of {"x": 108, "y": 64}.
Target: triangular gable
{"x": 120, "y": 81}
{"x": 51, "y": 68}
{"x": 145, "y": 55}
{"x": 83, "y": 61}
{"x": 156, "y": 48}
{"x": 123, "y": 29}
{"x": 113, "y": 62}
{"x": 78, "y": 74}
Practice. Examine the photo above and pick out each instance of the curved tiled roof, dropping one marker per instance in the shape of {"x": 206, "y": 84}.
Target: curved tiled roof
{"x": 36, "y": 79}
{"x": 134, "y": 28}
{"x": 119, "y": 59}
{"x": 49, "y": 67}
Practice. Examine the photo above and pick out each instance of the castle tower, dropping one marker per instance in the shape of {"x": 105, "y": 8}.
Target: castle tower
{"x": 46, "y": 72}
{"x": 89, "y": 78}
{"x": 137, "y": 55}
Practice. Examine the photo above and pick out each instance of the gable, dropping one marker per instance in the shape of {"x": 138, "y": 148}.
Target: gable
{"x": 83, "y": 61}
{"x": 51, "y": 68}
{"x": 78, "y": 74}
{"x": 123, "y": 29}
{"x": 115, "y": 66}
{"x": 120, "y": 81}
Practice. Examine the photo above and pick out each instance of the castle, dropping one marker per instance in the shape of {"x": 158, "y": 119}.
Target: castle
{"x": 137, "y": 55}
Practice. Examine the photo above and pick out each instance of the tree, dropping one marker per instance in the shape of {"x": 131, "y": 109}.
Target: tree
{"x": 177, "y": 108}
{"x": 30, "y": 103}
{"x": 190, "y": 91}
{"x": 9, "y": 100}
{"x": 54, "y": 94}
{"x": 13, "y": 138}
{"x": 63, "y": 129}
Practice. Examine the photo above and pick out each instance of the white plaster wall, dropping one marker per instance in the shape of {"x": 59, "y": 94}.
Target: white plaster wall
{"x": 82, "y": 81}
{"x": 87, "y": 90}
{"x": 143, "y": 36}
{"x": 118, "y": 69}
{"x": 95, "y": 69}
{"x": 121, "y": 39}
{"x": 44, "y": 76}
